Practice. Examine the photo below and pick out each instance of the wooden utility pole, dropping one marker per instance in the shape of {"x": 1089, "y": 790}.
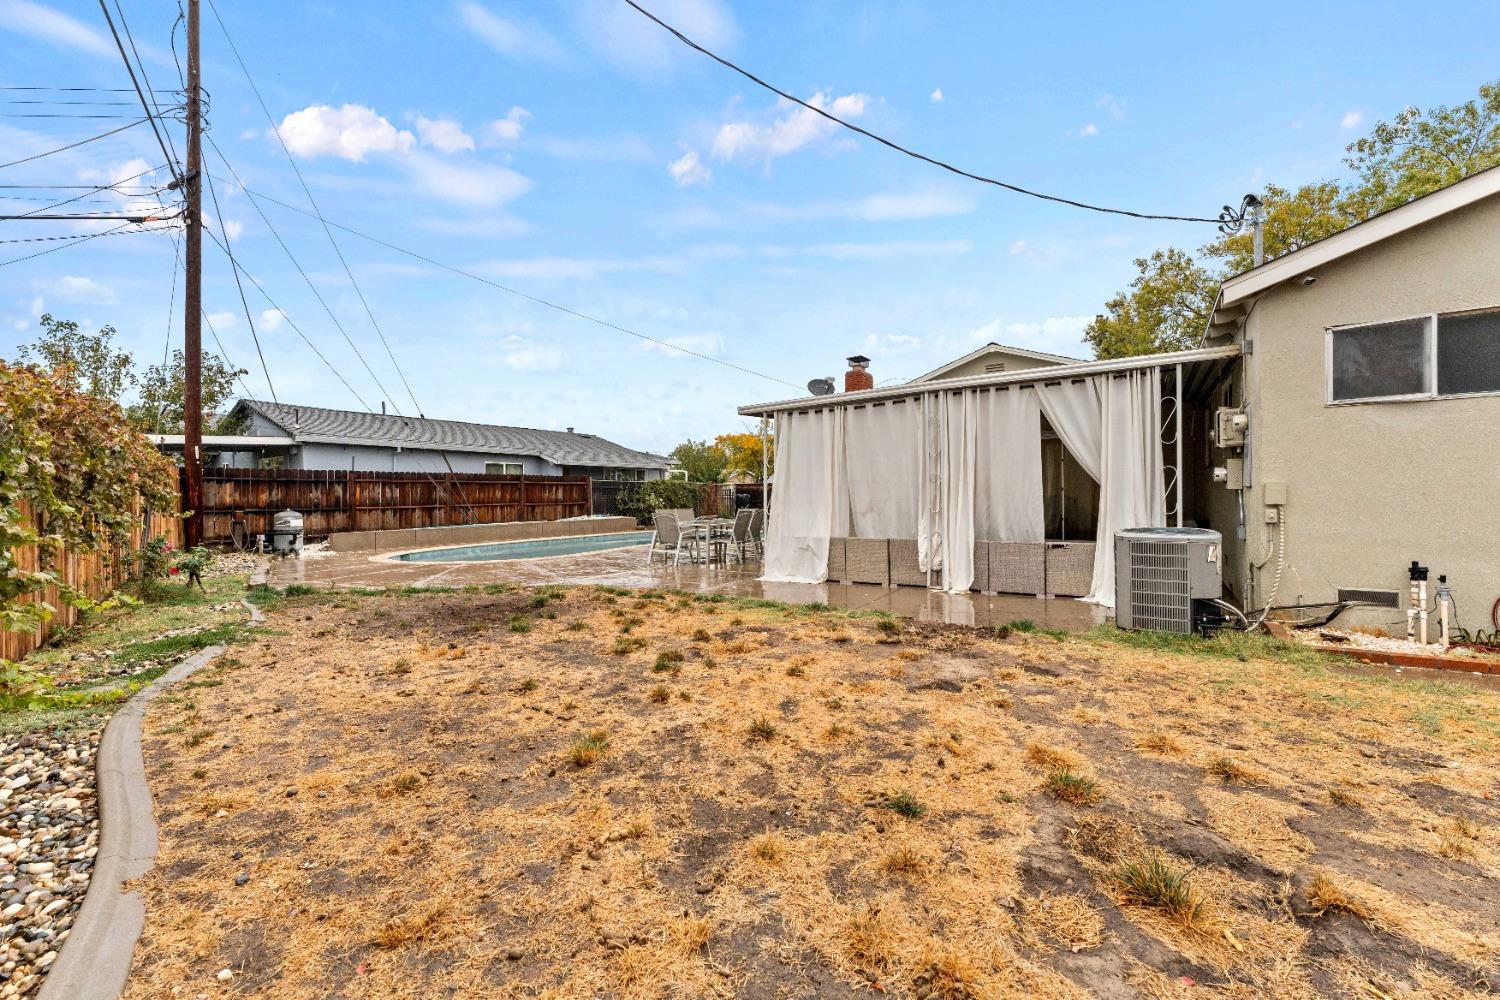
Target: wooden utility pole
{"x": 192, "y": 304}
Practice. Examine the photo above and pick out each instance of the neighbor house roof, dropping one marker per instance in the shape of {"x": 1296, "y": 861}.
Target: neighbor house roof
{"x": 316, "y": 425}
{"x": 994, "y": 348}
{"x": 1236, "y": 292}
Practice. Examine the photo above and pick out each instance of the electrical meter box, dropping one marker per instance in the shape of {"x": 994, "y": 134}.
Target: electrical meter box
{"x": 1230, "y": 423}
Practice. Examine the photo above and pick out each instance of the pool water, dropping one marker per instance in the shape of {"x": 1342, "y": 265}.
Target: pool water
{"x": 535, "y": 548}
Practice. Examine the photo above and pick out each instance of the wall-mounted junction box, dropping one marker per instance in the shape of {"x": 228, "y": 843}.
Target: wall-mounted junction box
{"x": 1274, "y": 493}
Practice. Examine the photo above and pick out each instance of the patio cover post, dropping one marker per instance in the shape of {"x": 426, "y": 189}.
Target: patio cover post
{"x": 765, "y": 493}
{"x": 1177, "y": 417}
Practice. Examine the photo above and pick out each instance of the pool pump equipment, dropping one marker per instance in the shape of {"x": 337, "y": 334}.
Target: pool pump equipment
{"x": 1168, "y": 579}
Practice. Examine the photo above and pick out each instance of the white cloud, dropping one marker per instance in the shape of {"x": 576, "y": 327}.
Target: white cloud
{"x": 484, "y": 226}
{"x": 688, "y": 169}
{"x": 710, "y": 344}
{"x": 444, "y": 135}
{"x": 507, "y": 129}
{"x": 637, "y": 46}
{"x": 234, "y": 229}
{"x": 574, "y": 268}
{"x": 74, "y": 288}
{"x": 523, "y": 355}
{"x": 350, "y": 132}
{"x": 1020, "y": 248}
{"x": 884, "y": 207}
{"x": 480, "y": 184}
{"x": 1351, "y": 120}
{"x": 53, "y": 27}
{"x": 883, "y": 345}
{"x": 937, "y": 95}
{"x": 508, "y": 37}
{"x": 1055, "y": 334}
{"x": 888, "y": 249}
{"x": 222, "y": 320}
{"x": 1113, "y": 105}
{"x": 795, "y": 128}
{"x": 271, "y": 320}
{"x": 622, "y": 148}
{"x": 1088, "y": 130}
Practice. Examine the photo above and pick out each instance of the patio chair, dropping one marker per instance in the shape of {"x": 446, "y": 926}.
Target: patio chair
{"x": 741, "y": 534}
{"x": 758, "y": 530}
{"x": 670, "y": 538}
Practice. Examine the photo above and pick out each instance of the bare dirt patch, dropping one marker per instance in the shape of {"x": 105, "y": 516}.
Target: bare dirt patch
{"x": 595, "y": 793}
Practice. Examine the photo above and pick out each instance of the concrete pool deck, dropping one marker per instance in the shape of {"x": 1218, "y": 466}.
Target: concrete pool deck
{"x": 627, "y": 567}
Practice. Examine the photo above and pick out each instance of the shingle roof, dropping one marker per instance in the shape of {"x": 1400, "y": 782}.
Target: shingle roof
{"x": 319, "y": 425}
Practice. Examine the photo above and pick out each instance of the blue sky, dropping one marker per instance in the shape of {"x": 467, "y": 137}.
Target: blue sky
{"x": 575, "y": 152}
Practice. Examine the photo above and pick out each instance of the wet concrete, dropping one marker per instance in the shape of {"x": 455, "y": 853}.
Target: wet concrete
{"x": 628, "y": 568}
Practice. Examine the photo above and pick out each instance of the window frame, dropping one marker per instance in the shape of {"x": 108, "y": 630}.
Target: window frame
{"x": 1430, "y": 355}
{"x": 519, "y": 467}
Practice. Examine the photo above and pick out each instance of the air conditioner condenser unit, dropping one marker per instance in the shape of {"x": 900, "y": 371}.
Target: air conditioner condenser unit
{"x": 1166, "y": 577}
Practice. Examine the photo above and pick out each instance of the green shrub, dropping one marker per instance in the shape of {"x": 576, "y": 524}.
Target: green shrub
{"x": 659, "y": 494}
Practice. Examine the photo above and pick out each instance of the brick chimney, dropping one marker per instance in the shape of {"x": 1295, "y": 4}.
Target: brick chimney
{"x": 858, "y": 376}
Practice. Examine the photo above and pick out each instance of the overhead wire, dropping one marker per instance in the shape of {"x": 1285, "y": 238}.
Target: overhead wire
{"x": 307, "y": 279}
{"x": 233, "y": 262}
{"x": 146, "y": 105}
{"x": 941, "y": 164}
{"x": 141, "y": 64}
{"x": 249, "y": 320}
{"x": 276, "y": 131}
{"x": 76, "y": 240}
{"x": 80, "y": 142}
{"x": 102, "y": 187}
{"x": 254, "y": 195}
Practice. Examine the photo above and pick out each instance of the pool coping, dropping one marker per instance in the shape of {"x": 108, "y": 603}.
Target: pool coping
{"x": 395, "y": 555}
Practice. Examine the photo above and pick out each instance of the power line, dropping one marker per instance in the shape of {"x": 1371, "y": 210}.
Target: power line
{"x": 78, "y": 236}
{"x": 83, "y": 90}
{"x": 307, "y": 279}
{"x": 95, "y": 190}
{"x": 80, "y": 142}
{"x": 145, "y": 104}
{"x": 228, "y": 249}
{"x": 911, "y": 152}
{"x": 266, "y": 295}
{"x": 519, "y": 294}
{"x": 142, "y": 65}
{"x": 276, "y": 131}
{"x": 84, "y": 239}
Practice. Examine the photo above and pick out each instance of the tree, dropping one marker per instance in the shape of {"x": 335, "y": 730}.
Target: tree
{"x": 160, "y": 410}
{"x": 703, "y": 462}
{"x": 1419, "y": 152}
{"x": 86, "y": 362}
{"x": 742, "y": 452}
{"x": 1166, "y": 306}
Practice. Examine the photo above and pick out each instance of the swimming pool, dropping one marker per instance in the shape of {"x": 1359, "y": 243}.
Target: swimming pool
{"x": 535, "y": 548}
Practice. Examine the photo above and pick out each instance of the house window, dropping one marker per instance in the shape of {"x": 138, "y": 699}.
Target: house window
{"x": 502, "y": 468}
{"x": 1448, "y": 355}
{"x": 1468, "y": 353}
{"x": 1380, "y": 361}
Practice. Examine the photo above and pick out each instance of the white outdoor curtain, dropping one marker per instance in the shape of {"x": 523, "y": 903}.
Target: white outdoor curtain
{"x": 1111, "y": 425}
{"x": 1008, "y": 467}
{"x": 945, "y": 530}
{"x": 806, "y": 497}
{"x": 881, "y": 466}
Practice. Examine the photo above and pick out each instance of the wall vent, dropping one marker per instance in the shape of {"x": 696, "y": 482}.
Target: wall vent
{"x": 994, "y": 367}
{"x": 1379, "y": 598}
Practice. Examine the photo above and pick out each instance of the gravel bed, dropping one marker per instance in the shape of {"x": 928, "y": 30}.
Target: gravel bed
{"x": 49, "y": 835}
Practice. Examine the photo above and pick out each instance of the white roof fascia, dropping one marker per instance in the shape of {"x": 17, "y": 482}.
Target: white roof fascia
{"x": 1055, "y": 373}
{"x": 1357, "y": 237}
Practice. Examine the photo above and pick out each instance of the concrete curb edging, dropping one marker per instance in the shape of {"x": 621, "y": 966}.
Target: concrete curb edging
{"x": 95, "y": 961}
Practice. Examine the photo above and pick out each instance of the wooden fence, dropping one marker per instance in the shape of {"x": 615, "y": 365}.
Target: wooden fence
{"x": 93, "y": 573}
{"x": 332, "y": 501}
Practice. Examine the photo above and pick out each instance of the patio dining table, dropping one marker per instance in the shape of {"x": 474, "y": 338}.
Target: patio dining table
{"x": 710, "y": 529}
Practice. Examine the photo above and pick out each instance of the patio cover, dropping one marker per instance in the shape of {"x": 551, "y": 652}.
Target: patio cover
{"x": 952, "y": 465}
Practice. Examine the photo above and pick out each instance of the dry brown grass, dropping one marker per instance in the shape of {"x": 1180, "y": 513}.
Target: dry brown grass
{"x": 879, "y": 833}
{"x": 1326, "y": 895}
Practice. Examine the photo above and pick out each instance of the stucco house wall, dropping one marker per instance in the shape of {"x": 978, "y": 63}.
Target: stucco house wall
{"x": 1372, "y": 486}
{"x": 363, "y": 458}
